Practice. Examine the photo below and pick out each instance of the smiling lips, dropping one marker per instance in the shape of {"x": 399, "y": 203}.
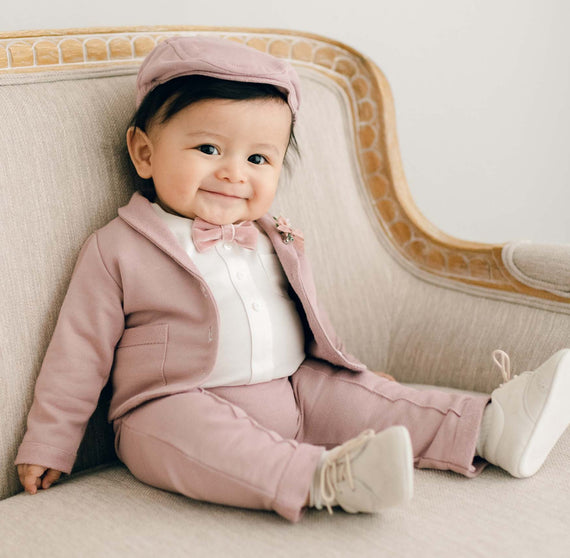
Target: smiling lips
{"x": 230, "y": 196}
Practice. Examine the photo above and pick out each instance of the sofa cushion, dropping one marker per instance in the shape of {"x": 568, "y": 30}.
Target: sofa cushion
{"x": 107, "y": 512}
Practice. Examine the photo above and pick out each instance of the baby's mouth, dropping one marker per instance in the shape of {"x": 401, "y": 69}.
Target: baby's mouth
{"x": 223, "y": 194}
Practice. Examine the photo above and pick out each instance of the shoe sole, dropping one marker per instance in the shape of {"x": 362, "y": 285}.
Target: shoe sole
{"x": 389, "y": 457}
{"x": 408, "y": 459}
{"x": 553, "y": 420}
{"x": 397, "y": 438}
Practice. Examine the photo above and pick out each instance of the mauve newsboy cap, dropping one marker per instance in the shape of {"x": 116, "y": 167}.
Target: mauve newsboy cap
{"x": 219, "y": 58}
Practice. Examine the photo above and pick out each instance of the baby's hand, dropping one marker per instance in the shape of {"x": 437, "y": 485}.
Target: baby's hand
{"x": 31, "y": 477}
{"x": 384, "y": 375}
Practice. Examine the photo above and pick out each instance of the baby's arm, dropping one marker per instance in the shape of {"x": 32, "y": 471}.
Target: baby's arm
{"x": 76, "y": 366}
{"x": 31, "y": 477}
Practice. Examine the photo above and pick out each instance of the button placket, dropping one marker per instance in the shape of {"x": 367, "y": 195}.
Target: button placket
{"x": 257, "y": 314}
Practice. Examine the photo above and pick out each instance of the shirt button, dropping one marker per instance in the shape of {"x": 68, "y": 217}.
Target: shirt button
{"x": 256, "y": 306}
{"x": 228, "y": 246}
{"x": 240, "y": 275}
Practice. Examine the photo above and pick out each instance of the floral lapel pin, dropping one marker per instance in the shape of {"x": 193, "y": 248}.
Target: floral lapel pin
{"x": 288, "y": 233}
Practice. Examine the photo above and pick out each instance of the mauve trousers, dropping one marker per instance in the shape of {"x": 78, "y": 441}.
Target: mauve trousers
{"x": 257, "y": 446}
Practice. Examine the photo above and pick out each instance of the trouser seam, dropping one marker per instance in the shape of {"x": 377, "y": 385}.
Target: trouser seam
{"x": 300, "y": 408}
{"x": 190, "y": 458}
{"x": 392, "y": 399}
{"x": 275, "y": 495}
{"x": 250, "y": 419}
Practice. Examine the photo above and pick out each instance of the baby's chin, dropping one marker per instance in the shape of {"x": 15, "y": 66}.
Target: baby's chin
{"x": 204, "y": 215}
{"x": 228, "y": 219}
{"x": 175, "y": 211}
{"x": 222, "y": 222}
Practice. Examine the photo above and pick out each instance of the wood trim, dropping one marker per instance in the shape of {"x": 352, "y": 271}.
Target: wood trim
{"x": 372, "y": 106}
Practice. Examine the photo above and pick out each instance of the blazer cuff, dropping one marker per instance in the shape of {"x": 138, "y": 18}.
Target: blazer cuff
{"x": 35, "y": 453}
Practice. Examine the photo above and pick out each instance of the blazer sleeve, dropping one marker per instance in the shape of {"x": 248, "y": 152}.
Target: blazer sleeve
{"x": 77, "y": 363}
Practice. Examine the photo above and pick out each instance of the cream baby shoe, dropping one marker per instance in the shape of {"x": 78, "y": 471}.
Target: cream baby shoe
{"x": 527, "y": 415}
{"x": 366, "y": 474}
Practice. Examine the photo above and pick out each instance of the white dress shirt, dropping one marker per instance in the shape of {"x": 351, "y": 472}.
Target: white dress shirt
{"x": 261, "y": 335}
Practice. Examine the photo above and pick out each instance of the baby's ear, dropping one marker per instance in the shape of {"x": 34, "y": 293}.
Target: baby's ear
{"x": 140, "y": 150}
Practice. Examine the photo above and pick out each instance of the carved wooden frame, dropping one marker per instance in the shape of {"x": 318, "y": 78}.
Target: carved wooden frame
{"x": 413, "y": 236}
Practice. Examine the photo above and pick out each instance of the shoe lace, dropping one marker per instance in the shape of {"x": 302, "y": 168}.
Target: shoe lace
{"x": 503, "y": 361}
{"x": 336, "y": 467}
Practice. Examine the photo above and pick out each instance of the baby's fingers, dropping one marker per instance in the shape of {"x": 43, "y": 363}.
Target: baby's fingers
{"x": 51, "y": 476}
{"x": 32, "y": 478}
{"x": 387, "y": 376}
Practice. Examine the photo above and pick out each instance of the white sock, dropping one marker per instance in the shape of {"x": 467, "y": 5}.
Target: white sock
{"x": 484, "y": 431}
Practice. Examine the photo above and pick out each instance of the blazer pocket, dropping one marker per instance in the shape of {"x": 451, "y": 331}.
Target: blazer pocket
{"x": 140, "y": 356}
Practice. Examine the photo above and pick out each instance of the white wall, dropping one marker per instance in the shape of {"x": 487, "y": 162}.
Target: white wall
{"x": 482, "y": 91}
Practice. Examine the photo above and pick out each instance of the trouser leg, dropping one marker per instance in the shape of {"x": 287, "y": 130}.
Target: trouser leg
{"x": 337, "y": 404}
{"x": 198, "y": 444}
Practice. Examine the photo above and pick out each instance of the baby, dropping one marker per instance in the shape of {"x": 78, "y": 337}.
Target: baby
{"x": 229, "y": 383}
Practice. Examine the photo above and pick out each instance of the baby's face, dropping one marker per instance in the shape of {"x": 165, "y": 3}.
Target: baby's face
{"x": 220, "y": 159}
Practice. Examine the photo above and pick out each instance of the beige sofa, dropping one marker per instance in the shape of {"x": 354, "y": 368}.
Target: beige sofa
{"x": 407, "y": 299}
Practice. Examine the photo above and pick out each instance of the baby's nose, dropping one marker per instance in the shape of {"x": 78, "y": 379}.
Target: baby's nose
{"x": 232, "y": 170}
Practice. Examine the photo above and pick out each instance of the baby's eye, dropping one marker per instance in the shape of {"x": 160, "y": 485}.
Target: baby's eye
{"x": 208, "y": 149}
{"x": 257, "y": 159}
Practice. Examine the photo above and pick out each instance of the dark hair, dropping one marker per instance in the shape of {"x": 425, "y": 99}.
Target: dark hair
{"x": 167, "y": 99}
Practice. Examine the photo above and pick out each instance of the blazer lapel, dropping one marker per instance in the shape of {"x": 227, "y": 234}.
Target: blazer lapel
{"x": 286, "y": 253}
{"x": 140, "y": 215}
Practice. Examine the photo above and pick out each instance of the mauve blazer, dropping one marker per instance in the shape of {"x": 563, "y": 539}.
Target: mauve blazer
{"x": 137, "y": 310}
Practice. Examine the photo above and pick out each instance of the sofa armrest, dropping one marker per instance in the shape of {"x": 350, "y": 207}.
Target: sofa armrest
{"x": 540, "y": 266}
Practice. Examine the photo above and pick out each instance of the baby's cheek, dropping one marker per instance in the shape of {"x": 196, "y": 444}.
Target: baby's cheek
{"x": 266, "y": 195}
{"x": 258, "y": 207}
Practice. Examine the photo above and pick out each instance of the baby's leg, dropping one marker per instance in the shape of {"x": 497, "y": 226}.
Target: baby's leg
{"x": 337, "y": 404}
{"x": 199, "y": 444}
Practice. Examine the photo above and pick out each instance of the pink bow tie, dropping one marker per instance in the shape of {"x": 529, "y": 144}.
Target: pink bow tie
{"x": 205, "y": 235}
